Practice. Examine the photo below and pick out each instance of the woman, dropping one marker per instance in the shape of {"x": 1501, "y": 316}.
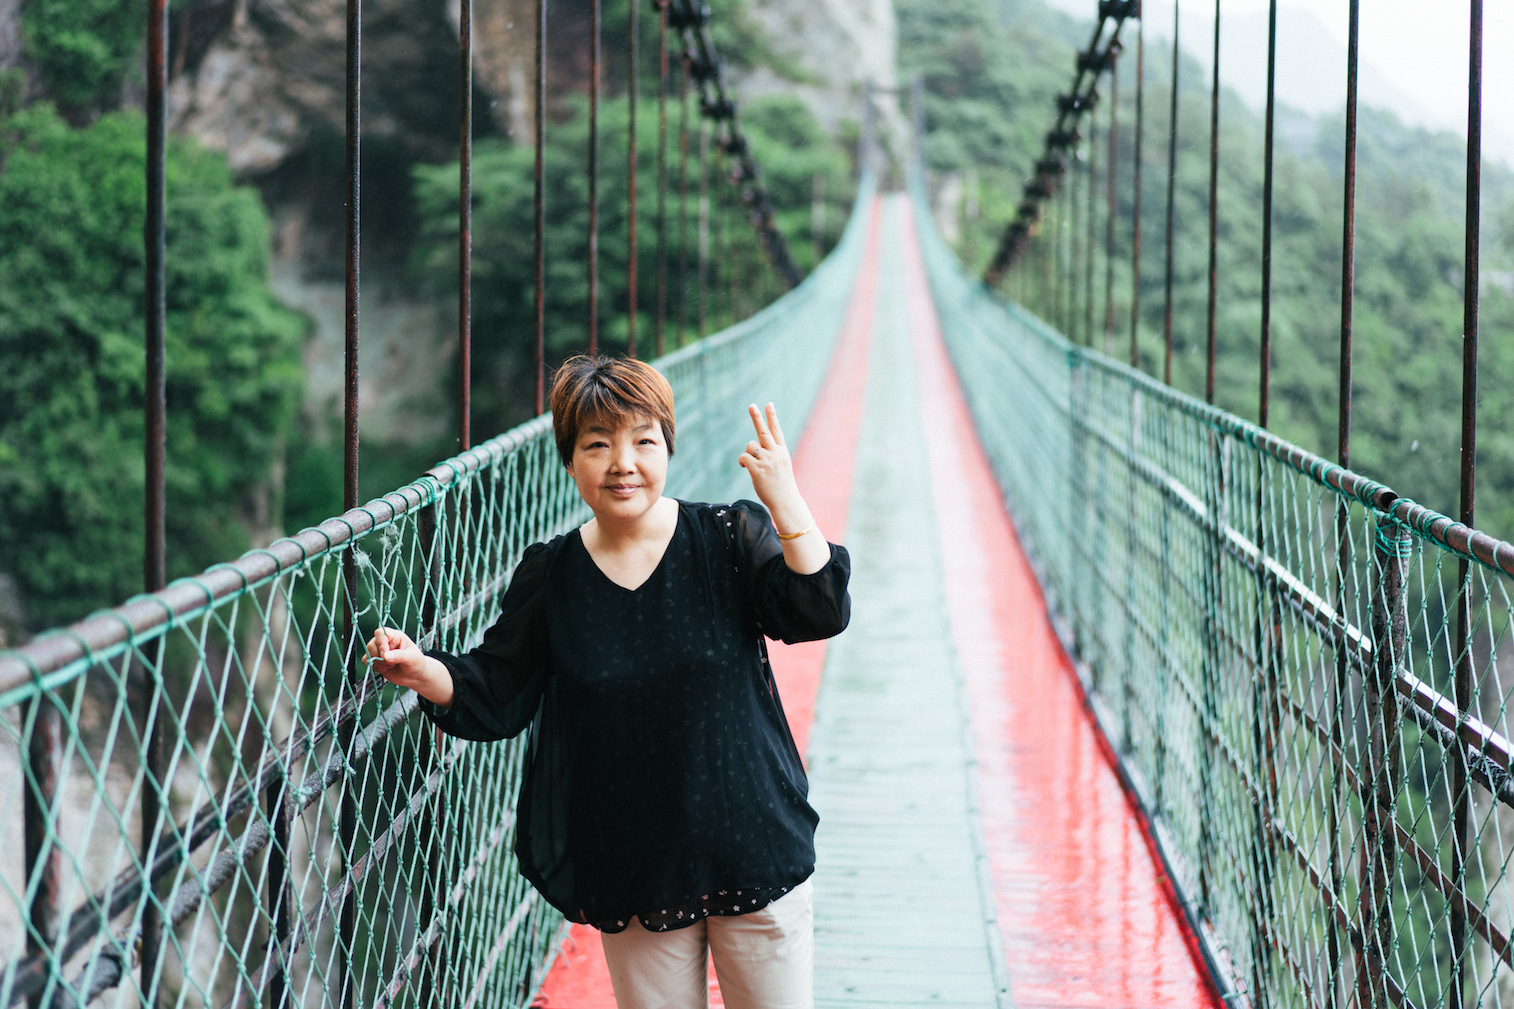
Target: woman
{"x": 663, "y": 800}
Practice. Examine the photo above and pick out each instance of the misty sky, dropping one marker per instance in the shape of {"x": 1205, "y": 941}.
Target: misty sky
{"x": 1418, "y": 49}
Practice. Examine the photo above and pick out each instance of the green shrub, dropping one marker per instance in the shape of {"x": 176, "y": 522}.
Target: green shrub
{"x": 71, "y": 334}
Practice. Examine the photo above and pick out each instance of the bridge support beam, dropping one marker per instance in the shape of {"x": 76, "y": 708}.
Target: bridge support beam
{"x": 1382, "y": 775}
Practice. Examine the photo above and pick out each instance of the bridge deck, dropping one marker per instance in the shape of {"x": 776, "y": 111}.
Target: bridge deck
{"x": 975, "y": 847}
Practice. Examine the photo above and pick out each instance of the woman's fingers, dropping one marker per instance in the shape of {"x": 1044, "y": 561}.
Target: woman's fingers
{"x": 772, "y": 418}
{"x": 764, "y": 436}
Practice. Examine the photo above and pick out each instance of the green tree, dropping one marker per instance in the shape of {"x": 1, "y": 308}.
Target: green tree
{"x": 72, "y": 206}
{"x": 83, "y": 48}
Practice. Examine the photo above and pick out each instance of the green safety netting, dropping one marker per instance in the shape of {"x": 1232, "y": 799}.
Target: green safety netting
{"x": 1269, "y": 643}
{"x": 318, "y": 845}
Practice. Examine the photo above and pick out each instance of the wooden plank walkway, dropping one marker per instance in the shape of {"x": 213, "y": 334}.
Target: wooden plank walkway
{"x": 899, "y": 912}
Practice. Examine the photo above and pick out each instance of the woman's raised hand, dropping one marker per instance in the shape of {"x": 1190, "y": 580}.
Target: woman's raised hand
{"x": 399, "y": 660}
{"x": 767, "y": 461}
{"x": 771, "y": 468}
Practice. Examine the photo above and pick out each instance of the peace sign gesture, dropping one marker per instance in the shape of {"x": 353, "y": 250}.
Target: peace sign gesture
{"x": 771, "y": 468}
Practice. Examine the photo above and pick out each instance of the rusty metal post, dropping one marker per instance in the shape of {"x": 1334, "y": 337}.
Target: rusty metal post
{"x": 539, "y": 364}
{"x": 1381, "y": 777}
{"x": 1264, "y": 380}
{"x": 1112, "y": 176}
{"x": 434, "y": 992}
{"x": 1172, "y": 185}
{"x": 662, "y": 176}
{"x": 704, "y": 228}
{"x": 347, "y": 833}
{"x": 1216, "y": 502}
{"x": 1465, "y": 676}
{"x": 1265, "y": 719}
{"x": 632, "y": 59}
{"x": 1135, "y": 212}
{"x": 465, "y": 227}
{"x": 1091, "y": 238}
{"x": 155, "y": 561}
{"x": 39, "y": 810}
{"x": 280, "y": 889}
{"x": 1214, "y": 209}
{"x": 683, "y": 203}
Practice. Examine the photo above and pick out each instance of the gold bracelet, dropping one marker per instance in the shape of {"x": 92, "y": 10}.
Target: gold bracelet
{"x": 795, "y": 536}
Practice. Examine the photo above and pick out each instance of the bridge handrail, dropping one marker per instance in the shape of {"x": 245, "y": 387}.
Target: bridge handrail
{"x": 1266, "y": 640}
{"x": 254, "y": 646}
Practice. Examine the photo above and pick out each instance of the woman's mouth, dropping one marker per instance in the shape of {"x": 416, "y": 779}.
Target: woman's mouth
{"x": 623, "y": 489}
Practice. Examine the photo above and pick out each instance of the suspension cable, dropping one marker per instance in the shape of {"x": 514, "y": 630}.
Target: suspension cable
{"x": 691, "y": 20}
{"x": 1092, "y": 62}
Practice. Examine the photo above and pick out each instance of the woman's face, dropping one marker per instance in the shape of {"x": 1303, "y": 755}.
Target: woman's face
{"x": 620, "y": 472}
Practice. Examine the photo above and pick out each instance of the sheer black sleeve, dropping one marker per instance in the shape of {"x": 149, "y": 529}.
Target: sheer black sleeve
{"x": 498, "y": 685}
{"x": 790, "y": 607}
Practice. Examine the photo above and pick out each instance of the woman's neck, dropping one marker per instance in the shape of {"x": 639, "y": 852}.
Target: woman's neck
{"x": 614, "y": 534}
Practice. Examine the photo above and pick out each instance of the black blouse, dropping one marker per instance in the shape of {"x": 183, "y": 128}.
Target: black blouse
{"x": 661, "y": 779}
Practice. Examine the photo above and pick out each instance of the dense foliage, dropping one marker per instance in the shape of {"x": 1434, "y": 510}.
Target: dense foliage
{"x": 71, "y": 334}
{"x": 83, "y": 48}
{"x": 992, "y": 75}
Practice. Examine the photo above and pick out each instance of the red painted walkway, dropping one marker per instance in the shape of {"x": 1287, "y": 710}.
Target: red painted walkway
{"x": 1081, "y": 907}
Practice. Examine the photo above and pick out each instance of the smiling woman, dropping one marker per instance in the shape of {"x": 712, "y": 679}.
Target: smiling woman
{"x": 664, "y": 801}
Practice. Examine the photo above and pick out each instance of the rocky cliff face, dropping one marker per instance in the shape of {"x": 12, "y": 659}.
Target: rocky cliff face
{"x": 837, "y": 46}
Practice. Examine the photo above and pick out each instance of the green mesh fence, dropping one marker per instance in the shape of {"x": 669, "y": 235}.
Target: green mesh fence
{"x": 1271, "y": 646}
{"x": 318, "y": 845}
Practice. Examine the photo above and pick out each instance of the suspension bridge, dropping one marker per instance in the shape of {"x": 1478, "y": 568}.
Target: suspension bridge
{"x": 1141, "y": 705}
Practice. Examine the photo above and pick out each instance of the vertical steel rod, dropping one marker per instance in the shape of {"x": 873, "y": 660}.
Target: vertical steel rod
{"x": 1264, "y": 391}
{"x": 704, "y": 227}
{"x": 1465, "y": 685}
{"x": 1135, "y": 238}
{"x": 683, "y": 201}
{"x": 280, "y": 891}
{"x": 1348, "y": 243}
{"x": 633, "y": 61}
{"x": 539, "y": 364}
{"x": 662, "y": 176}
{"x": 465, "y": 226}
{"x": 1172, "y": 184}
{"x": 1381, "y": 774}
{"x": 347, "y": 928}
{"x": 1214, "y": 207}
{"x": 44, "y": 860}
{"x": 155, "y": 561}
{"x": 1111, "y": 179}
{"x": 594, "y": 59}
{"x": 1091, "y": 238}
{"x": 1343, "y": 455}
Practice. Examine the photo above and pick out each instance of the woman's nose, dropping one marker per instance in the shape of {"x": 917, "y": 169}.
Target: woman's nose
{"x": 623, "y": 459}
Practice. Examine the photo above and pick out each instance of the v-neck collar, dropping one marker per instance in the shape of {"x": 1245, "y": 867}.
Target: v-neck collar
{"x": 656, "y": 570}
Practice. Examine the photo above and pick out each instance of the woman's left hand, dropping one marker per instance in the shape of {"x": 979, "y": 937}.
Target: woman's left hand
{"x": 769, "y": 464}
{"x": 771, "y": 468}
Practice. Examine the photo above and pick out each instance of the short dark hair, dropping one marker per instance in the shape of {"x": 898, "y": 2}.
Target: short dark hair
{"x": 613, "y": 390}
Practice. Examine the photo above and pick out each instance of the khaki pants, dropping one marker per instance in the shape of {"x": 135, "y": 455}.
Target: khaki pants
{"x": 764, "y": 960}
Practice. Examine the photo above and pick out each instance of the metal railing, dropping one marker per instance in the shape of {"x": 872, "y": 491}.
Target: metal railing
{"x": 1269, "y": 642}
{"x": 271, "y": 727}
